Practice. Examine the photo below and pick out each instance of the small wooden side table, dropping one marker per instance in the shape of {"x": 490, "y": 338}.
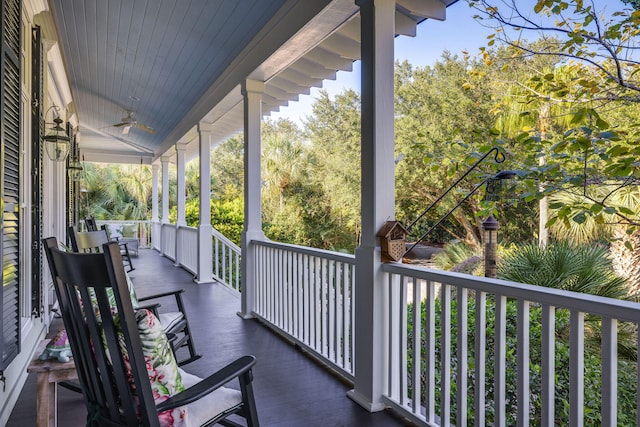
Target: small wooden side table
{"x": 49, "y": 373}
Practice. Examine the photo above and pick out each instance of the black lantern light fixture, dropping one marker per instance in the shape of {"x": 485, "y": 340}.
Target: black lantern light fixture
{"x": 74, "y": 167}
{"x": 56, "y": 139}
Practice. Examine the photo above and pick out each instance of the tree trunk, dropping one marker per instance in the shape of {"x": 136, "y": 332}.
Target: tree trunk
{"x": 543, "y": 231}
{"x": 626, "y": 262}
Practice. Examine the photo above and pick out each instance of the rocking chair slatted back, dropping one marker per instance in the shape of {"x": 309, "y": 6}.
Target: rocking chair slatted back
{"x": 86, "y": 277}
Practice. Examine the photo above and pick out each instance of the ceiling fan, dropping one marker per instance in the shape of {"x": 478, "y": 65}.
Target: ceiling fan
{"x": 129, "y": 121}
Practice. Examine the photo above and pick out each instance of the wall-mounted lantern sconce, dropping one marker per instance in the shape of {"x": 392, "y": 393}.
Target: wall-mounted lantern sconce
{"x": 75, "y": 170}
{"x": 56, "y": 139}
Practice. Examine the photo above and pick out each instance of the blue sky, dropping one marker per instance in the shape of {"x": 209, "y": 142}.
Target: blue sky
{"x": 460, "y": 32}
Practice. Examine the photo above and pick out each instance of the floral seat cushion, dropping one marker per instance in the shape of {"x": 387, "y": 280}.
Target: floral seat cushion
{"x": 167, "y": 379}
{"x": 164, "y": 376}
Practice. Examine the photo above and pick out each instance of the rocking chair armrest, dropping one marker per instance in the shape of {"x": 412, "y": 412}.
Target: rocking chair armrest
{"x": 151, "y": 307}
{"x": 233, "y": 370}
{"x": 162, "y": 294}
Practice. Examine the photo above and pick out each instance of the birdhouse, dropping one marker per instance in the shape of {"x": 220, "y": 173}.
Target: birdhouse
{"x": 392, "y": 241}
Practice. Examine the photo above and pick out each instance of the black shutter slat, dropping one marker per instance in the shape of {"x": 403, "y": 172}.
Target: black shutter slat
{"x": 10, "y": 90}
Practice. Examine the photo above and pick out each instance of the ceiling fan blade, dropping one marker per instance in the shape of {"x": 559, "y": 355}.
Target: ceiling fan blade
{"x": 126, "y": 129}
{"x": 144, "y": 128}
{"x": 122, "y": 124}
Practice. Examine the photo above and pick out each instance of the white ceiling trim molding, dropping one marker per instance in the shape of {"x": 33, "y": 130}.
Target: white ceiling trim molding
{"x": 57, "y": 71}
{"x": 126, "y": 157}
{"x": 34, "y": 7}
{"x": 53, "y": 94}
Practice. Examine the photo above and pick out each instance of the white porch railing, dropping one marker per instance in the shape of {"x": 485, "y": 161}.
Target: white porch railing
{"x": 187, "y": 255}
{"x": 458, "y": 349}
{"x": 226, "y": 260}
{"x": 168, "y": 242}
{"x": 140, "y": 230}
{"x": 428, "y": 383}
{"x": 306, "y": 293}
{"x": 156, "y": 236}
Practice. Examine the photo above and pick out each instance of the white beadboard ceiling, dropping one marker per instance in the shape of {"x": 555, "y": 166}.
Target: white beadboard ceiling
{"x": 175, "y": 63}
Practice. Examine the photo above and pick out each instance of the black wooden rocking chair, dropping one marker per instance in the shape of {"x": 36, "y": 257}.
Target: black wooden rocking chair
{"x": 114, "y": 371}
{"x": 175, "y": 323}
{"x": 89, "y": 241}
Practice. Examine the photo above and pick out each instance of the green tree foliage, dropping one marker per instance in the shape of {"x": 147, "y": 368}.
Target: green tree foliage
{"x": 595, "y": 49}
{"x": 285, "y": 161}
{"x": 116, "y": 192}
{"x": 440, "y": 112}
{"x": 434, "y": 113}
{"x": 562, "y": 265}
{"x": 227, "y": 216}
{"x": 227, "y": 169}
{"x": 634, "y": 3}
{"x": 333, "y": 131}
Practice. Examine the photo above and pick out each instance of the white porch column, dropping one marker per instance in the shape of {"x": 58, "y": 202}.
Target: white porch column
{"x": 155, "y": 239}
{"x": 180, "y": 198}
{"x": 378, "y": 199}
{"x": 164, "y": 161}
{"x": 165, "y": 189}
{"x": 205, "y": 251}
{"x": 154, "y": 192}
{"x": 252, "y": 91}
{"x": 180, "y": 186}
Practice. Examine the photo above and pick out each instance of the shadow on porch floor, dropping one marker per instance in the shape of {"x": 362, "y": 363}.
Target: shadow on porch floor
{"x": 291, "y": 390}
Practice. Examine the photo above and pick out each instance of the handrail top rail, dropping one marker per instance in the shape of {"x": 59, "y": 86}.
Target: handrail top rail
{"x": 225, "y": 240}
{"x": 334, "y": 256}
{"x": 587, "y": 303}
{"x": 176, "y": 226}
{"x": 123, "y": 221}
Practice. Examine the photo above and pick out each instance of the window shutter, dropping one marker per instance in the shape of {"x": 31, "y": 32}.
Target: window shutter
{"x": 37, "y": 131}
{"x": 10, "y": 179}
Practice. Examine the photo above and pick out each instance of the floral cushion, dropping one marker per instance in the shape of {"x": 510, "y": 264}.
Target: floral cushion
{"x": 167, "y": 379}
{"x": 112, "y": 299}
{"x": 132, "y": 292}
{"x": 162, "y": 368}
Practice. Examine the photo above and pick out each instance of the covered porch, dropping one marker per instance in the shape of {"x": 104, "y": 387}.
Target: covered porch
{"x": 450, "y": 362}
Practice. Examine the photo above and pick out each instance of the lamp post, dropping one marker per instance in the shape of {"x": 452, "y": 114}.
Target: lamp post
{"x": 490, "y": 246}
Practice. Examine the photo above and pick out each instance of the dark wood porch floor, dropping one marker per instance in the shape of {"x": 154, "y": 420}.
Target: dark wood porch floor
{"x": 290, "y": 389}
